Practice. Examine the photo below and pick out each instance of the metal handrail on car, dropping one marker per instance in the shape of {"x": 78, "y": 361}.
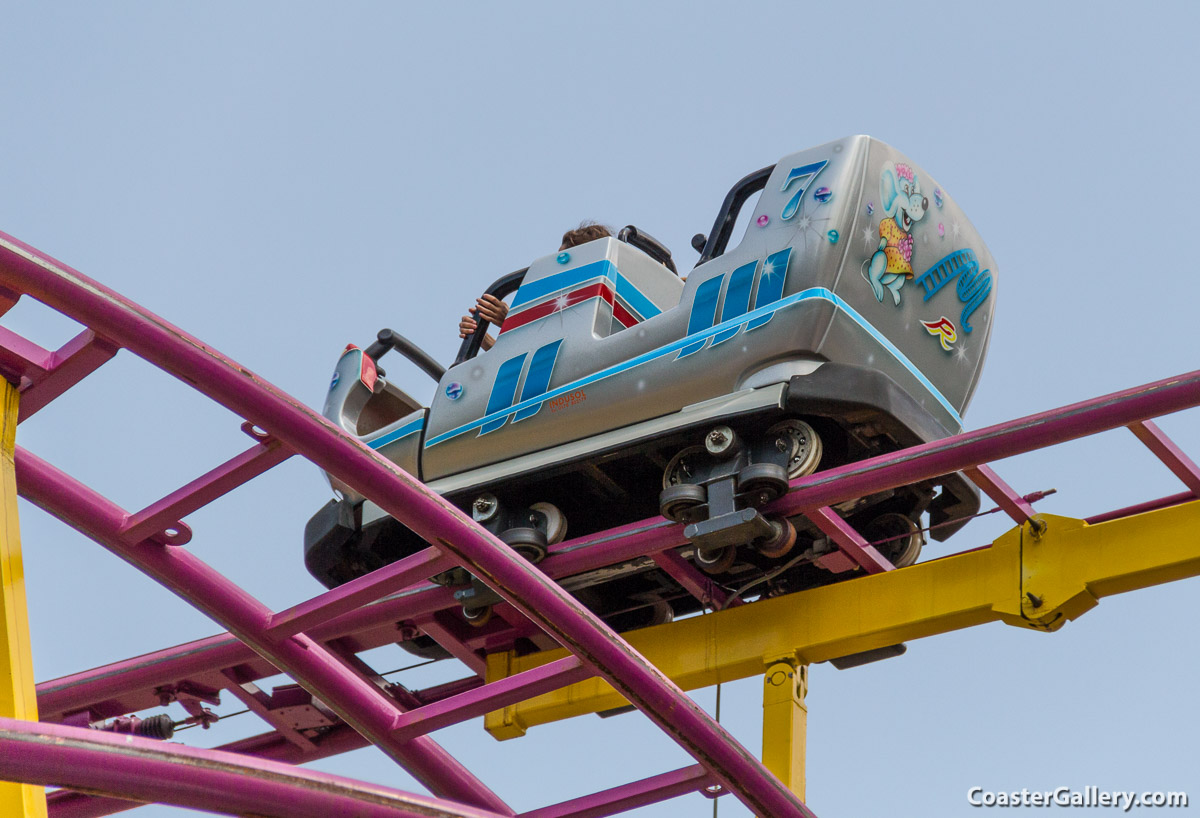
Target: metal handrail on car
{"x": 388, "y": 339}
{"x": 502, "y": 287}
{"x": 647, "y": 244}
{"x": 714, "y": 244}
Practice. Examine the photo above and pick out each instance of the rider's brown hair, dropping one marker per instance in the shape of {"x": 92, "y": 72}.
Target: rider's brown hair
{"x": 585, "y": 232}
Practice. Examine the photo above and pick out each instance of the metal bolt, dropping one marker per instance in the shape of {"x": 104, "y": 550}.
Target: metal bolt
{"x": 719, "y": 441}
{"x": 1034, "y": 599}
{"x": 484, "y": 507}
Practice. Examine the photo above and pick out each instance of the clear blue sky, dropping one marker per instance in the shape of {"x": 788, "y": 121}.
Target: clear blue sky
{"x": 280, "y": 179}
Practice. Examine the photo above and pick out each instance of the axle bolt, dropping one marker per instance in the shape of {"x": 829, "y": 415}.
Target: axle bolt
{"x": 484, "y": 508}
{"x": 721, "y": 442}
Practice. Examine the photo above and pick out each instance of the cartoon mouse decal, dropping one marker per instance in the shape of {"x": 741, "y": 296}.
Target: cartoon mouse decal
{"x": 903, "y": 206}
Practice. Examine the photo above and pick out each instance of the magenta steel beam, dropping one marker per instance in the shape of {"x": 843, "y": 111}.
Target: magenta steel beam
{"x": 336, "y": 740}
{"x": 217, "y": 652}
{"x": 20, "y": 358}
{"x": 146, "y": 770}
{"x": 930, "y": 460}
{"x": 518, "y": 628}
{"x": 501, "y": 693}
{"x": 339, "y": 738}
{"x": 259, "y": 703}
{"x": 67, "y": 366}
{"x": 630, "y": 796}
{"x": 697, "y": 583}
{"x": 357, "y": 701}
{"x": 1141, "y": 508}
{"x": 358, "y": 592}
{"x": 848, "y": 540}
{"x": 1156, "y": 440}
{"x": 146, "y": 672}
{"x": 403, "y": 497}
{"x": 442, "y": 633}
{"x": 1014, "y": 505}
{"x": 269, "y": 746}
{"x": 167, "y": 512}
{"x": 214, "y": 653}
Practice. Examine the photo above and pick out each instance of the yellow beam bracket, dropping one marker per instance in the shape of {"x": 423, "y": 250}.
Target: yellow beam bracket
{"x": 785, "y": 722}
{"x": 18, "y": 699}
{"x": 1032, "y": 578}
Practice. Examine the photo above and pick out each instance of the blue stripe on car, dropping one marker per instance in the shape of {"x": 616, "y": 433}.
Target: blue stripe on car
{"x": 397, "y": 434}
{"x": 813, "y": 293}
{"x": 704, "y": 313}
{"x": 770, "y": 285}
{"x": 537, "y": 379}
{"x": 642, "y": 306}
{"x": 503, "y": 391}
{"x": 561, "y": 281}
{"x": 634, "y": 299}
{"x": 737, "y": 299}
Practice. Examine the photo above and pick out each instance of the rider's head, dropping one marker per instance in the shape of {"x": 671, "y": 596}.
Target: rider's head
{"x": 587, "y": 231}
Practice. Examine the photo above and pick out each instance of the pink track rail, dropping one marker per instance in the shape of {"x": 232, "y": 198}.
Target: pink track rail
{"x": 308, "y": 642}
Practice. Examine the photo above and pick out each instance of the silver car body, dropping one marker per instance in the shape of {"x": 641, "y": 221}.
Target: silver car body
{"x": 853, "y": 255}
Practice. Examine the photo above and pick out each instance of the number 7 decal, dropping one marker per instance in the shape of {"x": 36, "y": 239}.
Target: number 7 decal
{"x": 805, "y": 174}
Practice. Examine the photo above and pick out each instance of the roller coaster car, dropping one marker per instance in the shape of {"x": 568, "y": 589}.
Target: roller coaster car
{"x": 852, "y": 320}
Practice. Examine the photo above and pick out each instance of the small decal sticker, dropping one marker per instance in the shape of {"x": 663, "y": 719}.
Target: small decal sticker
{"x": 564, "y": 257}
{"x": 333, "y": 382}
{"x": 804, "y": 175}
{"x": 833, "y": 236}
{"x": 823, "y": 195}
{"x": 454, "y": 390}
{"x": 943, "y": 329}
{"x": 870, "y": 208}
{"x": 891, "y": 265}
{"x": 973, "y": 285}
{"x": 569, "y": 399}
{"x": 763, "y": 220}
{"x": 937, "y": 197}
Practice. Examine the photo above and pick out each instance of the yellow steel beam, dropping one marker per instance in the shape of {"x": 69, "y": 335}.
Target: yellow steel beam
{"x": 1028, "y": 578}
{"x": 17, "y": 696}
{"x": 785, "y": 722}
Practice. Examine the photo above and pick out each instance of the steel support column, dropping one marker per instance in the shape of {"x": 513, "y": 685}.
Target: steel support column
{"x": 785, "y": 721}
{"x": 18, "y": 698}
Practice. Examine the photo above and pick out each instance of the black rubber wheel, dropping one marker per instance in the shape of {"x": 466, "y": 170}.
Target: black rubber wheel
{"x": 716, "y": 562}
{"x": 679, "y": 470}
{"x": 677, "y": 502}
{"x": 806, "y": 446}
{"x": 783, "y": 541}
{"x": 477, "y": 617}
{"x": 530, "y": 543}
{"x": 761, "y": 483}
{"x": 902, "y": 535}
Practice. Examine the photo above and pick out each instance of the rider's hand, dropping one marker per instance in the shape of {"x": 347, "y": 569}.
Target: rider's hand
{"x": 466, "y": 326}
{"x": 490, "y": 309}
